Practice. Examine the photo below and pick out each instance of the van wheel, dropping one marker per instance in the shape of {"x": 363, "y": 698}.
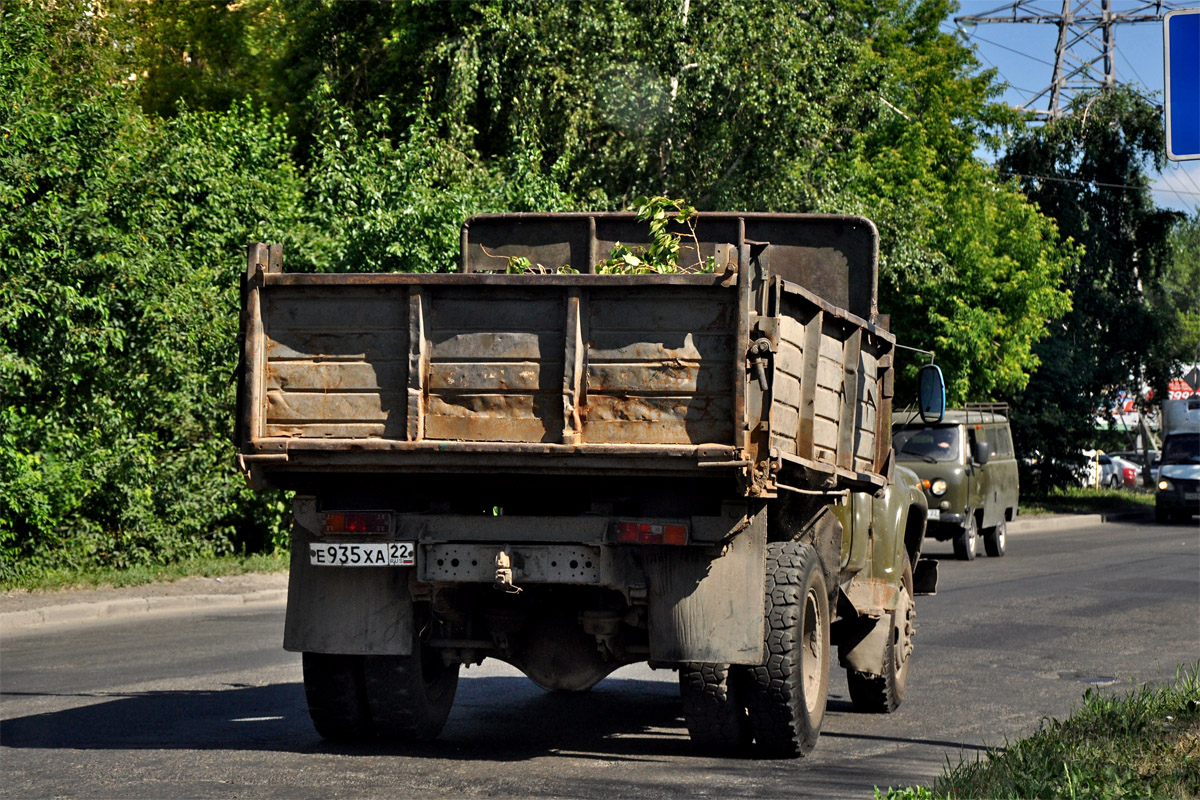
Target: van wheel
{"x": 713, "y": 708}
{"x": 964, "y": 542}
{"x": 337, "y": 700}
{"x": 410, "y": 696}
{"x": 995, "y": 539}
{"x": 883, "y": 694}
{"x": 786, "y": 695}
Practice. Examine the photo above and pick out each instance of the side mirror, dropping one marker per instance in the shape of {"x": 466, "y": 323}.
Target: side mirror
{"x": 981, "y": 453}
{"x": 931, "y": 393}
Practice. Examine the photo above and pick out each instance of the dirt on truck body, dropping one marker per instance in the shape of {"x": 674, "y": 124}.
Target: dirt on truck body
{"x": 572, "y": 472}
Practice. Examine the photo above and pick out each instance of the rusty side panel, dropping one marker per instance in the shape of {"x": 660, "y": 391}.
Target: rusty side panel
{"x": 518, "y": 362}
{"x": 388, "y": 370}
{"x": 831, "y": 389}
{"x": 335, "y": 362}
{"x": 495, "y": 364}
{"x": 659, "y": 366}
{"x": 833, "y": 255}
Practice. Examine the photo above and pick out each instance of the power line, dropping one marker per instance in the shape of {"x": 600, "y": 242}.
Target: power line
{"x": 975, "y": 36}
{"x": 1091, "y": 183}
{"x": 1086, "y": 39}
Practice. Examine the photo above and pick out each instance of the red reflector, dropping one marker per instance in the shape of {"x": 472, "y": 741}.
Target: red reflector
{"x": 651, "y": 533}
{"x": 357, "y": 522}
{"x": 674, "y": 534}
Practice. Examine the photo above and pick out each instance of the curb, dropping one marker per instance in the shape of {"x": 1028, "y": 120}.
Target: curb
{"x": 116, "y": 609}
{"x": 1065, "y": 521}
{"x": 75, "y": 613}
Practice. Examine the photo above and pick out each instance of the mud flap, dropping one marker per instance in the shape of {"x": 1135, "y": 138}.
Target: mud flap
{"x": 863, "y": 643}
{"x": 925, "y": 577}
{"x": 705, "y": 608}
{"x": 346, "y": 610}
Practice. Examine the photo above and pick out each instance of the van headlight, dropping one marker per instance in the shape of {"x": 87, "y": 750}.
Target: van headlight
{"x": 938, "y": 488}
{"x": 1164, "y": 485}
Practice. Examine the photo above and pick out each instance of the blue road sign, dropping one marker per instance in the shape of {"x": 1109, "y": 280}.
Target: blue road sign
{"x": 1181, "y": 62}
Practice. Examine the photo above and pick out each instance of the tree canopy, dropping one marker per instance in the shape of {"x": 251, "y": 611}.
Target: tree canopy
{"x": 145, "y": 143}
{"x": 1089, "y": 171}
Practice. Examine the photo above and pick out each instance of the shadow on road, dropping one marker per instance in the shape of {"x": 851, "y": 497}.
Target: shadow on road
{"x": 494, "y": 719}
{"x": 505, "y": 718}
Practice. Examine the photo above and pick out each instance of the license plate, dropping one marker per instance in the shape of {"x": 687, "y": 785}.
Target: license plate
{"x": 935, "y": 514}
{"x": 1193, "y": 496}
{"x": 355, "y": 554}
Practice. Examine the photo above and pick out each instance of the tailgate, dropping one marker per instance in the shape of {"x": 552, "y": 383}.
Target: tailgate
{"x": 387, "y": 370}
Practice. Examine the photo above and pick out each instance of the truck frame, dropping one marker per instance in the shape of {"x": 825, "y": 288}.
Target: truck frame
{"x": 571, "y": 472}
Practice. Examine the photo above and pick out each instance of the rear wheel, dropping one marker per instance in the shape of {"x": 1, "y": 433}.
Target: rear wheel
{"x": 995, "y": 540}
{"x": 785, "y": 696}
{"x": 336, "y": 694}
{"x": 883, "y": 694}
{"x": 410, "y": 696}
{"x": 713, "y": 708}
{"x": 964, "y": 542}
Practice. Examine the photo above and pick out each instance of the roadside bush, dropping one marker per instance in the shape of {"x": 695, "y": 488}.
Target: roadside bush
{"x": 121, "y": 254}
{"x": 120, "y": 258}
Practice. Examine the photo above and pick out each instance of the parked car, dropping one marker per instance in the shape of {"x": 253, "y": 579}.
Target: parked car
{"x": 1102, "y": 471}
{"x": 1131, "y": 473}
{"x": 1140, "y": 462}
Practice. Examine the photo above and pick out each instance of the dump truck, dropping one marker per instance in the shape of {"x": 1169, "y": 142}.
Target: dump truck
{"x": 572, "y": 472}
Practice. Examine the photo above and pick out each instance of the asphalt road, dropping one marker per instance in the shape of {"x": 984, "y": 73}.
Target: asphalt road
{"x": 208, "y": 705}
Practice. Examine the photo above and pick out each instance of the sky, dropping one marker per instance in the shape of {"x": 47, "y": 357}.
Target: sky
{"x": 1023, "y": 54}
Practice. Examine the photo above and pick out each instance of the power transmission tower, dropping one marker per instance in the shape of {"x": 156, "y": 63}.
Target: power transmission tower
{"x": 1086, "y": 47}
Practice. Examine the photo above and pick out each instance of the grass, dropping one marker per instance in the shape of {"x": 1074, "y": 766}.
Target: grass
{"x": 1143, "y": 744}
{"x": 95, "y": 578}
{"x": 1076, "y": 500}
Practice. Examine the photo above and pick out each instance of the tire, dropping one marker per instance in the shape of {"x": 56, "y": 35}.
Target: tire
{"x": 786, "y": 695}
{"x": 713, "y": 708}
{"x": 1114, "y": 482}
{"x": 409, "y": 696}
{"x": 883, "y": 694}
{"x": 336, "y": 694}
{"x": 964, "y": 542}
{"x": 995, "y": 540}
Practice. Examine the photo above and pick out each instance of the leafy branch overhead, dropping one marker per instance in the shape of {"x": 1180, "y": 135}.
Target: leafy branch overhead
{"x": 662, "y": 254}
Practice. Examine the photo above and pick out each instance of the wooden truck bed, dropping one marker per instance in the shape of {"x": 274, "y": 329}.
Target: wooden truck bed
{"x": 575, "y": 373}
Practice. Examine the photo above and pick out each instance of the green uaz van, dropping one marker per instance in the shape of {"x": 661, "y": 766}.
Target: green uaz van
{"x": 969, "y": 472}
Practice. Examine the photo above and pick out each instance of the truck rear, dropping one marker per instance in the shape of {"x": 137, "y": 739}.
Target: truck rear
{"x": 572, "y": 472}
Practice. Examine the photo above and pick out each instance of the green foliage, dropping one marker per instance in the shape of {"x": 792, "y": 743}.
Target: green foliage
{"x": 661, "y": 256}
{"x": 1113, "y": 337}
{"x": 1082, "y": 500}
{"x": 1145, "y": 743}
{"x": 1142, "y": 744}
{"x": 1178, "y": 296}
{"x": 87, "y": 577}
{"x": 362, "y": 135}
{"x": 118, "y": 313}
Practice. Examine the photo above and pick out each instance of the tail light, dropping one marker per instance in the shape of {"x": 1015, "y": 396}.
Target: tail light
{"x": 357, "y": 522}
{"x": 635, "y": 532}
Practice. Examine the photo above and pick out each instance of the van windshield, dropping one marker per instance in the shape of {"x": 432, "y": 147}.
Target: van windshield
{"x": 1181, "y": 448}
{"x": 927, "y": 444}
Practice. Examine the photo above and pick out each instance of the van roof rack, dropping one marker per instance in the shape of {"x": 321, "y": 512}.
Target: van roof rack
{"x": 985, "y": 408}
